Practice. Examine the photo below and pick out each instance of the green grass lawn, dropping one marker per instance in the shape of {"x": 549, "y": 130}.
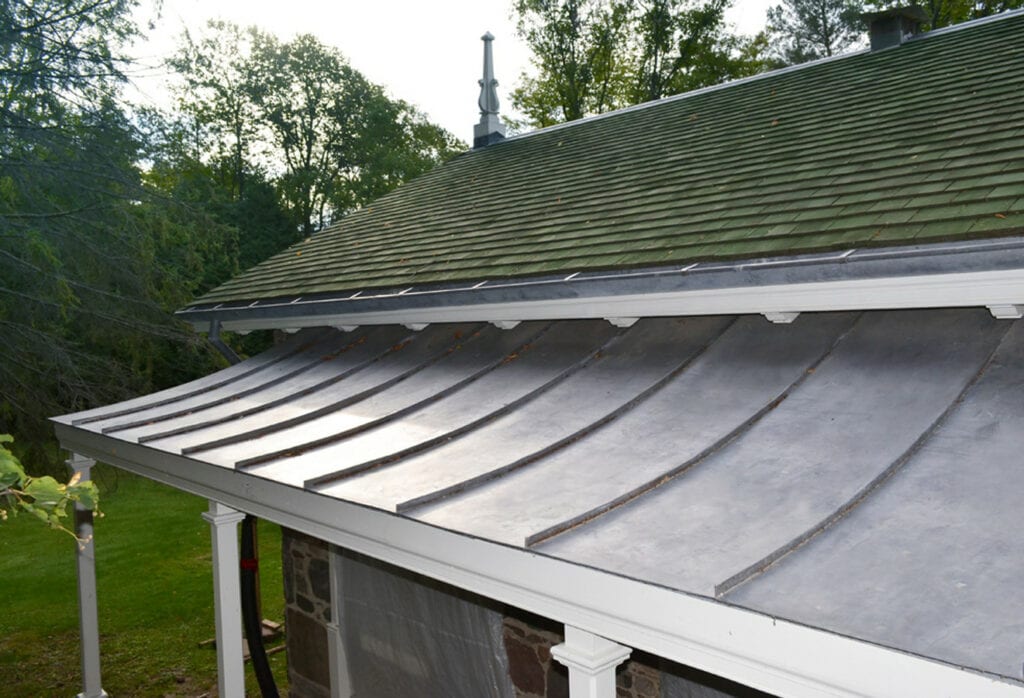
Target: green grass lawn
{"x": 155, "y": 594}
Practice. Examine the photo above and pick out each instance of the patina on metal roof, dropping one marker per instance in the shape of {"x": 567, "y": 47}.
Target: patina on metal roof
{"x": 854, "y": 472}
{"x": 911, "y": 145}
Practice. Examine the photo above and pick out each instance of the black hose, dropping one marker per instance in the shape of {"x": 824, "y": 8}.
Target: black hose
{"x": 249, "y": 568}
{"x": 251, "y": 613}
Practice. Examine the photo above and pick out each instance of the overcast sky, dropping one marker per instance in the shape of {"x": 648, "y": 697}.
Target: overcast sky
{"x": 427, "y": 52}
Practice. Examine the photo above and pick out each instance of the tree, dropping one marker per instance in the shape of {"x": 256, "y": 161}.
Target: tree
{"x": 575, "y": 50}
{"x": 214, "y": 97}
{"x": 238, "y": 195}
{"x": 90, "y": 258}
{"x": 677, "y": 45}
{"x": 315, "y": 106}
{"x": 592, "y": 56}
{"x": 805, "y": 30}
{"x": 56, "y": 51}
{"x": 944, "y": 13}
{"x": 295, "y": 115}
{"x": 397, "y": 143}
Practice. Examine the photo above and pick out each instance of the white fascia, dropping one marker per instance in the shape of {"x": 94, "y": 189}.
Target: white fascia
{"x": 768, "y": 653}
{"x": 996, "y": 290}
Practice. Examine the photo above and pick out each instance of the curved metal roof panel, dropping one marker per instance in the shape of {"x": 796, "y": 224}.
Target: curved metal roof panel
{"x": 855, "y": 472}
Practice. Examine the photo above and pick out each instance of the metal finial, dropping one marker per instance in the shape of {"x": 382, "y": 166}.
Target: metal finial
{"x": 490, "y": 129}
{"x": 488, "y": 86}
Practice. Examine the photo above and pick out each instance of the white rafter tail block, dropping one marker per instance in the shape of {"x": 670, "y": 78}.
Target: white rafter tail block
{"x": 1008, "y": 311}
{"x": 88, "y": 613}
{"x": 592, "y": 661}
{"x": 416, "y": 326}
{"x": 346, "y": 328}
{"x": 622, "y": 321}
{"x": 337, "y": 659}
{"x": 780, "y": 318}
{"x": 953, "y": 290}
{"x": 223, "y": 522}
{"x": 505, "y": 324}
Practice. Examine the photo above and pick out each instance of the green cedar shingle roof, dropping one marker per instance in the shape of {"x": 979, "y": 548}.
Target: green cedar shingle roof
{"x": 915, "y": 144}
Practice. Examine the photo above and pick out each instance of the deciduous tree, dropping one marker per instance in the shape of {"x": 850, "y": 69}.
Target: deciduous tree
{"x": 577, "y": 53}
{"x": 296, "y": 115}
{"x": 591, "y": 56}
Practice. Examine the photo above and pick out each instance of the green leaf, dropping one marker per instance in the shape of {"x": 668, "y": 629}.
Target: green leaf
{"x": 45, "y": 491}
{"x": 86, "y": 493}
{"x": 11, "y": 473}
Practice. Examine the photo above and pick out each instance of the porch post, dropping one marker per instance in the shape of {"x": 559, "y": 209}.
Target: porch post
{"x": 591, "y": 660}
{"x": 88, "y": 617}
{"x": 227, "y": 599}
{"x": 341, "y": 682}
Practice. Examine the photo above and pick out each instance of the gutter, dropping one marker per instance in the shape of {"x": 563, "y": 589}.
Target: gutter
{"x": 985, "y": 273}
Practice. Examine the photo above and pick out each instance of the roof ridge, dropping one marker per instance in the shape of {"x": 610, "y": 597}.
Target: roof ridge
{"x": 829, "y": 158}
{"x": 997, "y": 17}
{"x": 1000, "y": 16}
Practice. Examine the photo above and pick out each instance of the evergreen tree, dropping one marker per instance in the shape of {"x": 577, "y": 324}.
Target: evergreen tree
{"x": 805, "y": 30}
{"x": 90, "y": 259}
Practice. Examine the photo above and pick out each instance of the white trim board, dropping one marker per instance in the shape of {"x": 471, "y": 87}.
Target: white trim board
{"x": 771, "y": 654}
{"x": 992, "y": 289}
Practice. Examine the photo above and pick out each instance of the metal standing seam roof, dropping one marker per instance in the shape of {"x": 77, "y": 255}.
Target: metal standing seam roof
{"x": 911, "y": 145}
{"x": 855, "y": 472}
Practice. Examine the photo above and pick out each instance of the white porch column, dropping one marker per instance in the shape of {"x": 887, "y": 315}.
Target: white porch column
{"x": 88, "y": 617}
{"x": 591, "y": 660}
{"x": 227, "y": 599}
{"x": 341, "y": 682}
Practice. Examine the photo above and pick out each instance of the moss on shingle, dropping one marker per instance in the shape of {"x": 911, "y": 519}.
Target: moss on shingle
{"x": 920, "y": 143}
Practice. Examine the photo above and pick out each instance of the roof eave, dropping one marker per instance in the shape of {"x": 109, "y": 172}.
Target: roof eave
{"x": 984, "y": 273}
{"x": 768, "y": 653}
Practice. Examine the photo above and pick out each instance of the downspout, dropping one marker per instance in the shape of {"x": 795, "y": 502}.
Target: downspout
{"x": 249, "y": 564}
{"x": 213, "y": 337}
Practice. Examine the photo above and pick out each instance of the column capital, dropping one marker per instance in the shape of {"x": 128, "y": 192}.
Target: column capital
{"x": 591, "y": 660}
{"x": 597, "y": 658}
{"x": 76, "y": 462}
{"x": 221, "y": 514}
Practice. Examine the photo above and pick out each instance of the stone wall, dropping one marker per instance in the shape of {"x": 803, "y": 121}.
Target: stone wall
{"x": 527, "y": 639}
{"x": 528, "y": 642}
{"x": 307, "y": 594}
